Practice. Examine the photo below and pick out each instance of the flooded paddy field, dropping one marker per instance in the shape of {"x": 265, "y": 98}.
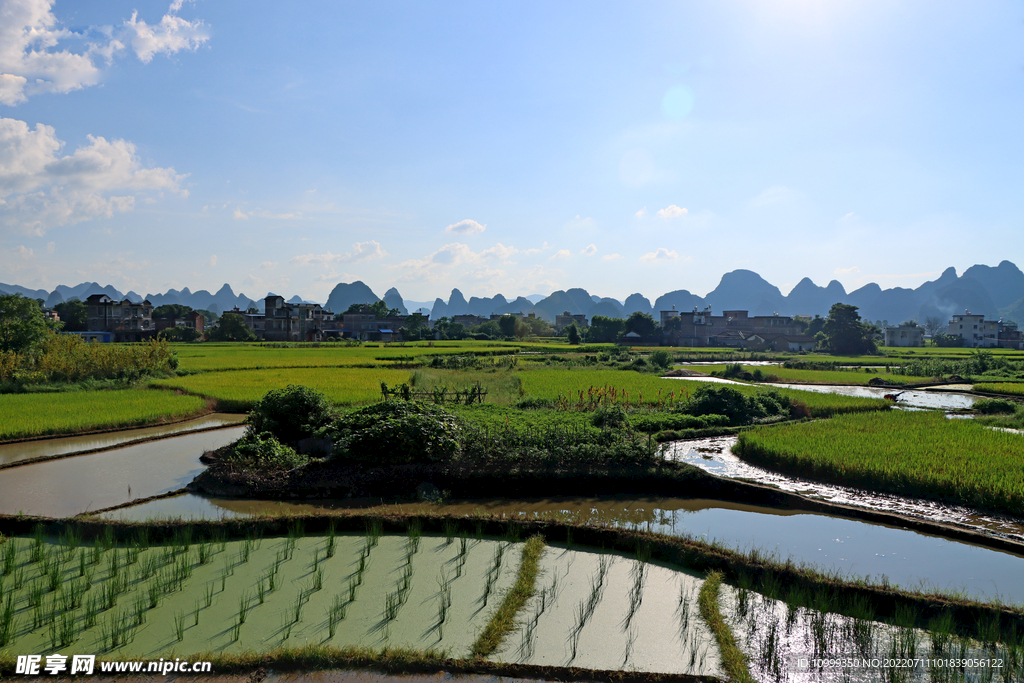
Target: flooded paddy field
{"x": 70, "y": 486}
{"x": 834, "y": 544}
{"x": 44, "y": 448}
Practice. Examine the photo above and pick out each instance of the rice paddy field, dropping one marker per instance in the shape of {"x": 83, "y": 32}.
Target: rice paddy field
{"x": 224, "y": 356}
{"x": 851, "y": 377}
{"x": 28, "y": 415}
{"x": 238, "y": 390}
{"x": 1008, "y": 388}
{"x": 579, "y": 385}
{"x": 912, "y": 453}
{"x": 423, "y": 592}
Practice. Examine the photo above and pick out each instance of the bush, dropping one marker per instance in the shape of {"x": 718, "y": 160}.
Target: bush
{"x": 739, "y": 409}
{"x": 397, "y": 432}
{"x": 290, "y": 414}
{"x": 610, "y": 417}
{"x": 261, "y": 452}
{"x": 995, "y": 406}
{"x": 661, "y": 359}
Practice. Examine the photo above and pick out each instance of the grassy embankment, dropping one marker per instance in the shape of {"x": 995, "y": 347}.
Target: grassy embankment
{"x": 734, "y": 661}
{"x": 920, "y": 454}
{"x": 27, "y": 415}
{"x": 1008, "y": 388}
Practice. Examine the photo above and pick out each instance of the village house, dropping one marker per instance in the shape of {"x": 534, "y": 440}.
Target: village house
{"x": 565, "y": 319}
{"x": 283, "y": 321}
{"x": 904, "y": 335}
{"x": 366, "y": 326}
{"x": 126, "y": 321}
{"x": 974, "y": 330}
{"x": 193, "y": 321}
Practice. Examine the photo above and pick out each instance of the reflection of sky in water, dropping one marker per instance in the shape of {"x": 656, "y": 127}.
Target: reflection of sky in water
{"x": 715, "y": 455}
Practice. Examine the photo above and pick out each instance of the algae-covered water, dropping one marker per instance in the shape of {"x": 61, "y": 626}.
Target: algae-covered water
{"x": 606, "y": 611}
{"x": 188, "y": 598}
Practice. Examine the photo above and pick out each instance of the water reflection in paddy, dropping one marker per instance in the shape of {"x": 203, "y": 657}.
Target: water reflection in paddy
{"x": 906, "y": 558}
{"x": 27, "y": 450}
{"x": 69, "y": 486}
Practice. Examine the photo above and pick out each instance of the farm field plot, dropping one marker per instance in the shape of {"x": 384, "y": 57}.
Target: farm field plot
{"x": 238, "y": 390}
{"x": 212, "y": 356}
{"x": 818, "y": 376}
{"x": 917, "y": 453}
{"x": 26, "y": 415}
{"x": 138, "y": 600}
{"x": 1008, "y": 388}
{"x": 634, "y": 388}
{"x": 606, "y": 611}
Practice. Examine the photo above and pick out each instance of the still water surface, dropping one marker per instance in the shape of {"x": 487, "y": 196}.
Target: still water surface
{"x": 26, "y": 450}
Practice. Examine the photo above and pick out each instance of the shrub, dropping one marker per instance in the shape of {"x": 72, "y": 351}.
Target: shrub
{"x": 738, "y": 408}
{"x": 661, "y": 359}
{"x": 290, "y": 414}
{"x": 995, "y": 406}
{"x": 611, "y": 417}
{"x": 397, "y": 432}
{"x": 264, "y": 452}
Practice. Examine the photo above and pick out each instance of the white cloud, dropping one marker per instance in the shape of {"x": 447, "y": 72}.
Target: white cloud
{"x": 32, "y": 63}
{"x": 774, "y": 195}
{"x": 50, "y": 247}
{"x": 846, "y": 271}
{"x": 466, "y": 227}
{"x": 267, "y": 265}
{"x": 640, "y": 213}
{"x": 662, "y": 254}
{"x": 240, "y": 215}
{"x": 589, "y": 250}
{"x": 263, "y": 213}
{"x": 499, "y": 251}
{"x": 562, "y": 253}
{"x": 40, "y": 189}
{"x": 24, "y": 252}
{"x": 611, "y": 257}
{"x": 212, "y": 261}
{"x": 361, "y": 251}
{"x": 580, "y": 223}
{"x": 672, "y": 211}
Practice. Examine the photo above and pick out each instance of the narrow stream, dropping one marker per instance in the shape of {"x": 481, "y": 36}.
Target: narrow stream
{"x": 848, "y": 547}
{"x": 27, "y": 450}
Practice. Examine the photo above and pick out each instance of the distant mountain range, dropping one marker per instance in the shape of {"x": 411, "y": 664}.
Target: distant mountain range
{"x": 995, "y": 291}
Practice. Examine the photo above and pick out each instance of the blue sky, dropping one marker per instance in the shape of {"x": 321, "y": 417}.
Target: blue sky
{"x": 507, "y": 147}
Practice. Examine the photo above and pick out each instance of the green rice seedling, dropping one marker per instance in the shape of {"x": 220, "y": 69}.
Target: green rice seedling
{"x": 82, "y": 563}
{"x": 450, "y": 529}
{"x": 300, "y": 600}
{"x": 8, "y": 626}
{"x": 220, "y": 539}
{"x": 988, "y": 629}
{"x": 205, "y": 551}
{"x": 114, "y": 564}
{"x": 414, "y": 530}
{"x": 374, "y": 530}
{"x": 291, "y": 543}
{"x": 107, "y": 540}
{"x": 638, "y": 571}
{"x": 153, "y": 591}
{"x": 513, "y": 531}
{"x": 245, "y": 551}
{"x": 332, "y": 541}
{"x": 97, "y": 550}
{"x": 352, "y": 585}
{"x": 392, "y": 603}
{"x": 179, "y": 626}
{"x": 195, "y": 614}
{"x": 243, "y": 608}
{"x": 272, "y": 580}
{"x": 90, "y": 612}
{"x": 940, "y": 632}
{"x": 8, "y": 557}
{"x": 38, "y": 538}
{"x": 316, "y": 559}
{"x": 139, "y": 607}
{"x": 335, "y": 614}
{"x": 132, "y": 553}
{"x": 208, "y": 594}
{"x": 261, "y": 591}
{"x": 318, "y": 580}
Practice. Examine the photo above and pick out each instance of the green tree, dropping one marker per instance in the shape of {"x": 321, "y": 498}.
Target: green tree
{"x": 415, "y": 326}
{"x": 605, "y": 329}
{"x": 170, "y": 311}
{"x": 232, "y": 327}
{"x": 572, "y": 333}
{"x": 507, "y": 325}
{"x": 379, "y": 309}
{"x": 22, "y": 324}
{"x": 73, "y": 315}
{"x": 844, "y": 334}
{"x": 179, "y": 334}
{"x": 641, "y": 323}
